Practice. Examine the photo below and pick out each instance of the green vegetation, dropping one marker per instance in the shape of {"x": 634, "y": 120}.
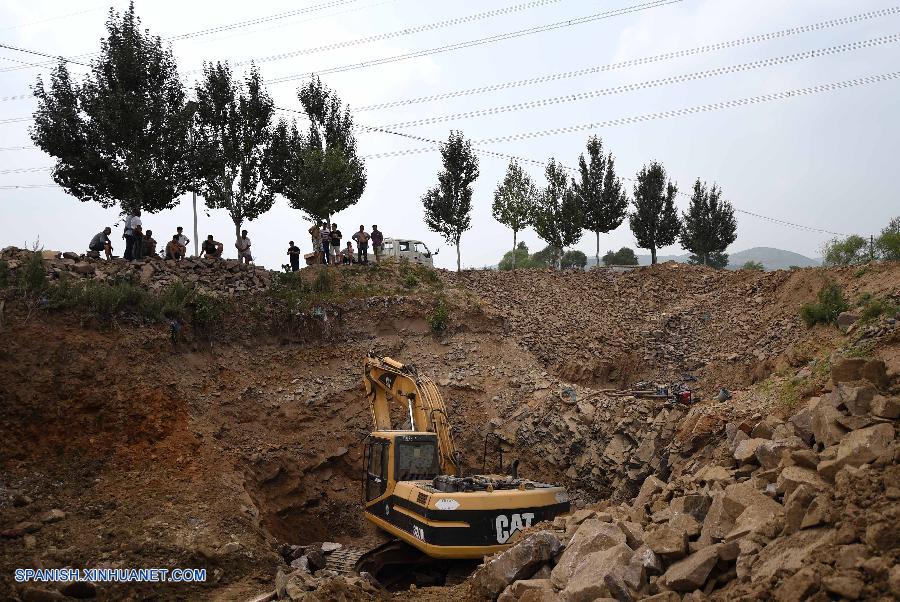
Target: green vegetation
{"x": 654, "y": 221}
{"x": 440, "y": 317}
{"x": 831, "y": 302}
{"x": 887, "y": 245}
{"x": 753, "y": 266}
{"x": 624, "y": 256}
{"x": 573, "y": 259}
{"x": 848, "y": 251}
{"x": 875, "y": 308}
{"x": 604, "y": 204}
{"x": 708, "y": 227}
{"x": 410, "y": 281}
{"x": 514, "y": 199}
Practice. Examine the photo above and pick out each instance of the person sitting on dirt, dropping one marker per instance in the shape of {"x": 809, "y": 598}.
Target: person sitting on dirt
{"x": 347, "y": 254}
{"x": 174, "y": 250}
{"x": 315, "y": 232}
{"x": 294, "y": 255}
{"x": 150, "y": 245}
{"x": 101, "y": 242}
{"x": 243, "y": 248}
{"x": 377, "y": 242}
{"x": 182, "y": 240}
{"x": 362, "y": 245}
{"x": 212, "y": 248}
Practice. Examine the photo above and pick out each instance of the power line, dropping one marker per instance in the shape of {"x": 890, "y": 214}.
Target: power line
{"x": 479, "y": 41}
{"x": 15, "y": 148}
{"x": 80, "y": 12}
{"x": 16, "y": 97}
{"x": 674, "y": 79}
{"x": 635, "y": 62}
{"x": 62, "y": 58}
{"x": 259, "y": 20}
{"x": 18, "y": 186}
{"x": 664, "y": 114}
{"x": 15, "y": 120}
{"x": 403, "y": 32}
{"x": 25, "y": 170}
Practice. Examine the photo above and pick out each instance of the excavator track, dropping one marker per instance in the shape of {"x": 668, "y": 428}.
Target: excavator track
{"x": 343, "y": 561}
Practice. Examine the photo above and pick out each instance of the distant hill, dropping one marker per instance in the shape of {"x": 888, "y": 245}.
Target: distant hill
{"x": 771, "y": 258}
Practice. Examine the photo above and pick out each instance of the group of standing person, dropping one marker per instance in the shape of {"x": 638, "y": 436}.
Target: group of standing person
{"x": 326, "y": 241}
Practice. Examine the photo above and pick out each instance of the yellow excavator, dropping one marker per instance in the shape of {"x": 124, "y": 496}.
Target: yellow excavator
{"x": 413, "y": 485}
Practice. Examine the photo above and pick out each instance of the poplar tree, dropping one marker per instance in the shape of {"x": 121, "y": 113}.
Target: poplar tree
{"x": 448, "y": 206}
{"x": 318, "y": 170}
{"x": 233, "y": 138}
{"x": 708, "y": 226}
{"x": 557, "y": 216}
{"x": 120, "y": 137}
{"x": 654, "y": 220}
{"x": 513, "y": 202}
{"x": 604, "y": 204}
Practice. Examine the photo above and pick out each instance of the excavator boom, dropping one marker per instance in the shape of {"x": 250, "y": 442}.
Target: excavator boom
{"x": 388, "y": 382}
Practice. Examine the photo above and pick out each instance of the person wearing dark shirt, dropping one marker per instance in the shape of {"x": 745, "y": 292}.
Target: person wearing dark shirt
{"x": 377, "y": 239}
{"x": 101, "y": 242}
{"x": 335, "y": 244}
{"x": 150, "y": 245}
{"x": 211, "y": 248}
{"x": 294, "y": 255}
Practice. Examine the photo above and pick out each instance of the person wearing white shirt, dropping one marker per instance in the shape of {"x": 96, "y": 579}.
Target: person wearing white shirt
{"x": 131, "y": 220}
{"x": 183, "y": 240}
{"x": 243, "y": 248}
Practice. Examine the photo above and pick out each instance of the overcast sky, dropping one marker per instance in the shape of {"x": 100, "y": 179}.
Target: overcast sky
{"x": 825, "y": 160}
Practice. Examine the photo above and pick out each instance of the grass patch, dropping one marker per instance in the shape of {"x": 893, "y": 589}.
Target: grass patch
{"x": 875, "y": 308}
{"x": 440, "y": 317}
{"x": 831, "y": 302}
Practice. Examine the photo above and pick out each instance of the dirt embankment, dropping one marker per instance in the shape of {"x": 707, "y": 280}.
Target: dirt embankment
{"x": 210, "y": 452}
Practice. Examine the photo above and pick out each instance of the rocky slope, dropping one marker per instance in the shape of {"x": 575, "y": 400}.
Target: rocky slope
{"x": 120, "y": 449}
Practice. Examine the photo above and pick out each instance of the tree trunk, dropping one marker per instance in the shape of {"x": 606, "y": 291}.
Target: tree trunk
{"x": 514, "y": 251}
{"x": 457, "y": 256}
{"x": 597, "y": 256}
{"x": 652, "y": 255}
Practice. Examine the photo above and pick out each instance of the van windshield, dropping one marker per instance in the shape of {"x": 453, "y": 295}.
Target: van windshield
{"x": 417, "y": 460}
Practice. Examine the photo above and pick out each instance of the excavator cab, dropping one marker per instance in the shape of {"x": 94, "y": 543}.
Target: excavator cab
{"x": 413, "y": 487}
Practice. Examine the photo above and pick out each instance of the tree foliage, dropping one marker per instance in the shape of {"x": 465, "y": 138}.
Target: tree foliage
{"x": 603, "y": 202}
{"x": 847, "y": 251}
{"x": 548, "y": 257}
{"x": 573, "y": 259}
{"x": 521, "y": 259}
{"x": 753, "y": 266}
{"x": 624, "y": 256}
{"x": 887, "y": 245}
{"x": 448, "y": 206}
{"x": 319, "y": 172}
{"x": 557, "y": 214}
{"x": 654, "y": 220}
{"x": 709, "y": 226}
{"x": 514, "y": 199}
{"x": 121, "y": 136}
{"x": 232, "y": 141}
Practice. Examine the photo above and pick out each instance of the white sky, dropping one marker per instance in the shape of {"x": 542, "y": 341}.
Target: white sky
{"x": 824, "y": 160}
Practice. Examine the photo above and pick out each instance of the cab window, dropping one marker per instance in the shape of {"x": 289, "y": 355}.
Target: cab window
{"x": 416, "y": 460}
{"x": 404, "y": 245}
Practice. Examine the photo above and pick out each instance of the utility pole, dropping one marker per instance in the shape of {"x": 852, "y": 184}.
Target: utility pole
{"x": 196, "y": 238}
{"x": 871, "y": 247}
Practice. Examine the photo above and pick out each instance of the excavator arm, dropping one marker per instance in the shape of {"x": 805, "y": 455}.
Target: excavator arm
{"x": 388, "y": 381}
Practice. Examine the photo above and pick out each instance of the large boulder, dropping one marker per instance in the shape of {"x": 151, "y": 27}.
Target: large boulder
{"x": 857, "y": 448}
{"x": 746, "y": 449}
{"x": 529, "y": 590}
{"x": 802, "y": 423}
{"x": 667, "y": 541}
{"x": 650, "y": 487}
{"x": 857, "y": 399}
{"x": 793, "y": 476}
{"x": 518, "y": 562}
{"x": 692, "y": 572}
{"x": 695, "y": 504}
{"x": 770, "y": 454}
{"x": 846, "y": 369}
{"x": 593, "y": 535}
{"x": 825, "y": 419}
{"x": 597, "y": 574}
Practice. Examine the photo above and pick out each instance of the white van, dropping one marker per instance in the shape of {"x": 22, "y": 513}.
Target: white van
{"x": 403, "y": 248}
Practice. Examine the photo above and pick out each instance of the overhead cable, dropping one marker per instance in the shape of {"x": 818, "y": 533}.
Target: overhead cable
{"x": 479, "y": 41}
{"x": 664, "y": 114}
{"x": 635, "y": 62}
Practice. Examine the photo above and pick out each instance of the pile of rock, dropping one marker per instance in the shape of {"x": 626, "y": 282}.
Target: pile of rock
{"x": 785, "y": 510}
{"x": 214, "y": 276}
